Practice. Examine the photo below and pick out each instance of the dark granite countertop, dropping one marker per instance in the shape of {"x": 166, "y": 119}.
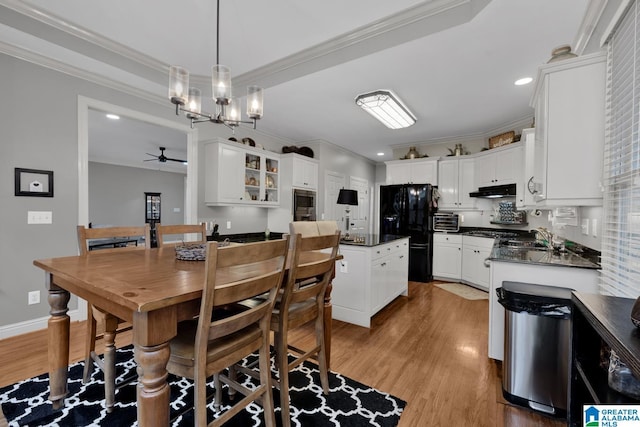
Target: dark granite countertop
{"x": 370, "y": 240}
{"x": 541, "y": 256}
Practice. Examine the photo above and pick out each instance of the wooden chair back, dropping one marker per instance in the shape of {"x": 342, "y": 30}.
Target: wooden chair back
{"x": 313, "y": 228}
{"x": 166, "y": 230}
{"x": 87, "y": 234}
{"x": 261, "y": 266}
{"x": 311, "y": 268}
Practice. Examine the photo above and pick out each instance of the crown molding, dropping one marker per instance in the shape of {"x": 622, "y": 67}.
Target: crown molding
{"x": 415, "y": 22}
{"x": 53, "y": 64}
{"x": 425, "y": 18}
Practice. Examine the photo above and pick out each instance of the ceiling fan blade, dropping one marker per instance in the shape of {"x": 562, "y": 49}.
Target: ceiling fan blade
{"x": 176, "y": 160}
{"x": 150, "y": 160}
{"x": 154, "y": 155}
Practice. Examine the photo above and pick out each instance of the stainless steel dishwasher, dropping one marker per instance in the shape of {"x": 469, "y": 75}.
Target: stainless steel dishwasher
{"x": 537, "y": 346}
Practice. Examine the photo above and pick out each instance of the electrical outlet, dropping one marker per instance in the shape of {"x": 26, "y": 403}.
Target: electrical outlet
{"x": 585, "y": 226}
{"x": 228, "y": 225}
{"x": 594, "y": 227}
{"x": 34, "y": 297}
{"x": 344, "y": 266}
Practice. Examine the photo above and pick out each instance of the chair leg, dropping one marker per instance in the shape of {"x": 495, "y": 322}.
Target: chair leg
{"x": 200, "y": 400}
{"x": 265, "y": 381}
{"x": 233, "y": 376}
{"x": 217, "y": 400}
{"x": 322, "y": 359}
{"x": 283, "y": 369}
{"x": 90, "y": 345}
{"x": 111, "y": 324}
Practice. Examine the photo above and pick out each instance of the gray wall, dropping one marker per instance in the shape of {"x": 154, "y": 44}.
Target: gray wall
{"x": 116, "y": 194}
{"x": 39, "y": 125}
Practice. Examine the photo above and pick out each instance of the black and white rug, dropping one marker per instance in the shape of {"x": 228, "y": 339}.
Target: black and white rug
{"x": 349, "y": 403}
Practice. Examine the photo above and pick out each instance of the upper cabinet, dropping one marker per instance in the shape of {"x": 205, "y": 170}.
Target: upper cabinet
{"x": 239, "y": 175}
{"x": 569, "y": 102}
{"x": 304, "y": 172}
{"x": 499, "y": 166}
{"x": 416, "y": 171}
{"x": 455, "y": 182}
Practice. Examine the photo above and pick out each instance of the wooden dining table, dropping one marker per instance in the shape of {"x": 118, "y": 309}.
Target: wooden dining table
{"x": 149, "y": 288}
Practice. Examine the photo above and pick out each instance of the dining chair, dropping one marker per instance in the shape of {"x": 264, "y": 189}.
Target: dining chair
{"x": 226, "y": 331}
{"x": 301, "y": 302}
{"x": 166, "y": 230}
{"x": 313, "y": 228}
{"x": 101, "y": 240}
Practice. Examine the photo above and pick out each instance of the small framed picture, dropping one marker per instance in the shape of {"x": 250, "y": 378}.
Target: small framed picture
{"x": 33, "y": 183}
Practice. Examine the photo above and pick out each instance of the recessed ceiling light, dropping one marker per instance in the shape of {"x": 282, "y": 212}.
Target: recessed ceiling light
{"x": 523, "y": 81}
{"x": 381, "y": 154}
{"x": 113, "y": 117}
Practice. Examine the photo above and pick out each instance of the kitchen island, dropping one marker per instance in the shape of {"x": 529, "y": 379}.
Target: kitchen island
{"x": 373, "y": 273}
{"x": 530, "y": 264}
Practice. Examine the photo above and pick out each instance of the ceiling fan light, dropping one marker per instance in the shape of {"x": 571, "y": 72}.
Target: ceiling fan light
{"x": 221, "y": 84}
{"x": 178, "y": 84}
{"x": 194, "y": 103}
{"x": 255, "y": 102}
{"x": 385, "y": 106}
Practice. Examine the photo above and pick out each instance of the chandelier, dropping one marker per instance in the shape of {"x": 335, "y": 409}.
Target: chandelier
{"x": 228, "y": 110}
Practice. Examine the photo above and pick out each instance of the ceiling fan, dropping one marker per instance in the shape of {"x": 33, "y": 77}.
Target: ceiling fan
{"x": 162, "y": 158}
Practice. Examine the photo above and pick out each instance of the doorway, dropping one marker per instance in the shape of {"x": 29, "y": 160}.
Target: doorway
{"x": 84, "y": 105}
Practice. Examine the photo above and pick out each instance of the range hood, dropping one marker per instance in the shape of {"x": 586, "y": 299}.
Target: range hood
{"x": 495, "y": 191}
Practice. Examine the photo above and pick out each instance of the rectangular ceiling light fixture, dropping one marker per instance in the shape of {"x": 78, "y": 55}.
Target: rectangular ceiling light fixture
{"x": 385, "y": 106}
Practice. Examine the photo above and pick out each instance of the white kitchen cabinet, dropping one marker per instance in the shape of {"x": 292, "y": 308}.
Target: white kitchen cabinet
{"x": 415, "y": 171}
{"x": 499, "y": 166}
{"x": 369, "y": 278}
{"x": 569, "y": 102}
{"x": 235, "y": 175}
{"x": 456, "y": 179}
{"x": 305, "y": 172}
{"x": 475, "y": 268}
{"x": 447, "y": 256}
{"x": 578, "y": 279}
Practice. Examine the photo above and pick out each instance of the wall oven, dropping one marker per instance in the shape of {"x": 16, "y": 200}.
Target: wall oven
{"x": 304, "y": 205}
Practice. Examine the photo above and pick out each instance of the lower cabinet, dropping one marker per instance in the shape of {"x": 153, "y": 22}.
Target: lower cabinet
{"x": 447, "y": 256}
{"x": 475, "y": 268}
{"x": 369, "y": 278}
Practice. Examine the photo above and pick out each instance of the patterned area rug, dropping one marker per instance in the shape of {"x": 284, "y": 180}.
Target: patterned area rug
{"x": 464, "y": 291}
{"x": 349, "y": 403}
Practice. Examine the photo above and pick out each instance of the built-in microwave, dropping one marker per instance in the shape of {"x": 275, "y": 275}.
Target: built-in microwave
{"x": 304, "y": 205}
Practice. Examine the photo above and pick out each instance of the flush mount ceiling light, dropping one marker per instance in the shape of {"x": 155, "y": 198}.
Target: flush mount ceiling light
{"x": 385, "y": 106}
{"x": 228, "y": 109}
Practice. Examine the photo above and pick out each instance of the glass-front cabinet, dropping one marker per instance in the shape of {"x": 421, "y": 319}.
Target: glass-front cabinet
{"x": 261, "y": 179}
{"x": 240, "y": 175}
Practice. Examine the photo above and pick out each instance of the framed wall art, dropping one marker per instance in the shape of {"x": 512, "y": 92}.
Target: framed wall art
{"x": 33, "y": 182}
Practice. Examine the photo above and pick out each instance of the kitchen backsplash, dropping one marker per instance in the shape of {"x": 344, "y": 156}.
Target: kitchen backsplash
{"x": 573, "y": 233}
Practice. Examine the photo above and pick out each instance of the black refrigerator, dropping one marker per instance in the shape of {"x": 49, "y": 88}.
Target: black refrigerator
{"x": 407, "y": 210}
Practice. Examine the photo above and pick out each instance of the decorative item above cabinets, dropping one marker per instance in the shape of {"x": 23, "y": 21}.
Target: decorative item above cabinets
{"x": 241, "y": 175}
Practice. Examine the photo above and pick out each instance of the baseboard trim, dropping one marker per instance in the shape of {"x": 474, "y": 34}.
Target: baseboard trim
{"x": 32, "y": 325}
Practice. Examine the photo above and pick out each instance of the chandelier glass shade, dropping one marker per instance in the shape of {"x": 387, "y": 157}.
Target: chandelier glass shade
{"x": 228, "y": 110}
{"x": 385, "y": 106}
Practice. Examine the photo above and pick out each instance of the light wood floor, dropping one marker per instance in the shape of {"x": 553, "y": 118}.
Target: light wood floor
{"x": 429, "y": 349}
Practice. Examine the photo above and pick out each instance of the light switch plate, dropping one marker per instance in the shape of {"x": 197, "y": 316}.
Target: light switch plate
{"x": 39, "y": 217}
{"x": 594, "y": 227}
{"x": 585, "y": 226}
{"x": 228, "y": 225}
